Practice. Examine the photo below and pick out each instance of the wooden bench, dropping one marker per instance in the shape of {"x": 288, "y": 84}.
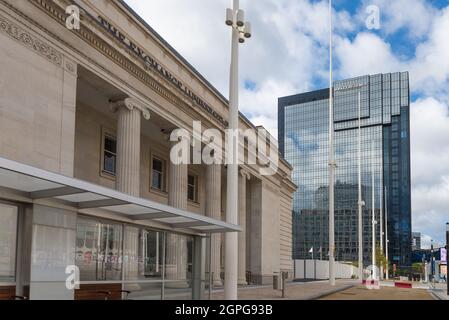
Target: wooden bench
{"x": 99, "y": 292}
{"x": 7, "y": 293}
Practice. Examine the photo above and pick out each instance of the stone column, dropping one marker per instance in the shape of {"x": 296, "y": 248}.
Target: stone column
{"x": 213, "y": 210}
{"x": 128, "y": 144}
{"x": 176, "y": 257}
{"x": 243, "y": 177}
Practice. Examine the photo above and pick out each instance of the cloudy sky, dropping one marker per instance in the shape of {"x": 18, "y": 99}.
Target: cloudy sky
{"x": 288, "y": 54}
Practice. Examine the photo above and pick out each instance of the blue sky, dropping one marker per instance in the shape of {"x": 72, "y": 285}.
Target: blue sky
{"x": 289, "y": 54}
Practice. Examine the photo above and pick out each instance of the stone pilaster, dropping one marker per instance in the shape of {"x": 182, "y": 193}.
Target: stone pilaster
{"x": 213, "y": 210}
{"x": 243, "y": 177}
{"x": 128, "y": 144}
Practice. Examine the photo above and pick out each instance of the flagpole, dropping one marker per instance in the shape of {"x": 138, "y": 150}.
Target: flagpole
{"x": 381, "y": 221}
{"x": 373, "y": 214}
{"x": 386, "y": 234}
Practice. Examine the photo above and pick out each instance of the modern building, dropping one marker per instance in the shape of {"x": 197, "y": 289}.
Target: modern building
{"x": 416, "y": 241}
{"x": 86, "y": 180}
{"x": 385, "y": 153}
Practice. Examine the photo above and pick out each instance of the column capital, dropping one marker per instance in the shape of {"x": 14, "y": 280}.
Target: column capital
{"x": 245, "y": 173}
{"x": 130, "y": 104}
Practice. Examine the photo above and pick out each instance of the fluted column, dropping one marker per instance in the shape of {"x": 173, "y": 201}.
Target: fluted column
{"x": 176, "y": 268}
{"x": 243, "y": 177}
{"x": 177, "y": 183}
{"x": 213, "y": 210}
{"x": 128, "y": 144}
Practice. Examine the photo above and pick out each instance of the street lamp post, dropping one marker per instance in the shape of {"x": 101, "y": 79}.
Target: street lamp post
{"x": 447, "y": 257}
{"x": 432, "y": 262}
{"x": 331, "y": 161}
{"x": 386, "y": 235}
{"x": 235, "y": 18}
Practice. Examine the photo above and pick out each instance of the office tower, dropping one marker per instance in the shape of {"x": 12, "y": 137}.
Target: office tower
{"x": 385, "y": 152}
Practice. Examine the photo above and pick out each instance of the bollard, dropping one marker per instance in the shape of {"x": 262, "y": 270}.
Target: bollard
{"x": 284, "y": 278}
{"x": 276, "y": 282}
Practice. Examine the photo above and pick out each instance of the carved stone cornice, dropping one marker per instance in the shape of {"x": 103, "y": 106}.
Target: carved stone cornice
{"x": 130, "y": 104}
{"x": 17, "y": 33}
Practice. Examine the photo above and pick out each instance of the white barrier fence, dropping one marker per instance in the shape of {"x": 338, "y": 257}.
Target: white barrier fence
{"x": 319, "y": 269}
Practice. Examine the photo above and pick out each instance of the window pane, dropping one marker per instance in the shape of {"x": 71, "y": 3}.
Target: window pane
{"x": 157, "y": 180}
{"x": 143, "y": 254}
{"x": 157, "y": 174}
{"x": 157, "y": 165}
{"x": 109, "y": 162}
{"x": 191, "y": 188}
{"x": 178, "y": 267}
{"x": 98, "y": 251}
{"x": 110, "y": 144}
{"x": 179, "y": 256}
{"x": 191, "y": 192}
{"x": 8, "y": 235}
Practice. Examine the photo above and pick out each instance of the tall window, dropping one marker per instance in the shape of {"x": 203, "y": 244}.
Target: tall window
{"x": 8, "y": 236}
{"x": 99, "y": 250}
{"x": 109, "y": 154}
{"x": 157, "y": 175}
{"x": 192, "y": 188}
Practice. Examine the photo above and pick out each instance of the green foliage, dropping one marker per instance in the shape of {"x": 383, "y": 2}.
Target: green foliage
{"x": 417, "y": 267}
{"x": 381, "y": 260}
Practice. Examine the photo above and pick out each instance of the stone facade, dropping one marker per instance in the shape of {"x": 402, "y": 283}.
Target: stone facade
{"x": 61, "y": 90}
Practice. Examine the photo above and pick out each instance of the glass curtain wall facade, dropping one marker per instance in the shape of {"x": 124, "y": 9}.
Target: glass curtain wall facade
{"x": 385, "y": 154}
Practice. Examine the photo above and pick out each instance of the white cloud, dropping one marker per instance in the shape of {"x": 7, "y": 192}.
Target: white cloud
{"x": 369, "y": 53}
{"x": 429, "y": 122}
{"x": 430, "y": 68}
{"x": 366, "y": 54}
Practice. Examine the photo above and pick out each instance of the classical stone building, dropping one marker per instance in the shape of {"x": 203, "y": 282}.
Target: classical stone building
{"x": 85, "y": 177}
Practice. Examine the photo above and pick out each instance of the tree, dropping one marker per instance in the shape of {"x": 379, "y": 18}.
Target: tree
{"x": 381, "y": 260}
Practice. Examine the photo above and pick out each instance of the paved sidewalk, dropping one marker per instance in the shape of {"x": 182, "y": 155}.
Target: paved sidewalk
{"x": 440, "y": 291}
{"x": 384, "y": 293}
{"x": 294, "y": 291}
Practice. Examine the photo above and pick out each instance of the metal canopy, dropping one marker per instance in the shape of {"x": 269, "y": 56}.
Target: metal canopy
{"x": 42, "y": 184}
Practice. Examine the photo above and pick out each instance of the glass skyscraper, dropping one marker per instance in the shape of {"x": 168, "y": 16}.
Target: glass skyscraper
{"x": 385, "y": 153}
